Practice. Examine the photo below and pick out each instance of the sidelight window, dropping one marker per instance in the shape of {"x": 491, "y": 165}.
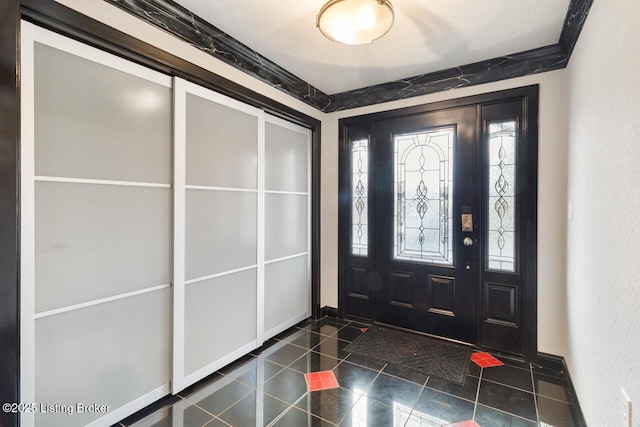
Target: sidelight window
{"x": 359, "y": 198}
{"x": 501, "y": 193}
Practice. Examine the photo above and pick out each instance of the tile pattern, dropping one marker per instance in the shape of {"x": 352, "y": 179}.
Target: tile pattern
{"x": 268, "y": 387}
{"x": 323, "y": 380}
{"x": 485, "y": 360}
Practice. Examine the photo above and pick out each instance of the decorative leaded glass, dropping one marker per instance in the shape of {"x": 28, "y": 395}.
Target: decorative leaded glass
{"x": 359, "y": 197}
{"x": 501, "y": 191}
{"x": 423, "y": 196}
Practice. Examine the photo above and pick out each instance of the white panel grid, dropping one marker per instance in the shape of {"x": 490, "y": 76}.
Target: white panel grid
{"x": 307, "y": 134}
{"x": 181, "y": 379}
{"x": 30, "y": 34}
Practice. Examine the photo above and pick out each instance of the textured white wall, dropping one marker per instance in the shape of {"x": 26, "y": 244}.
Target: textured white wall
{"x": 552, "y": 197}
{"x": 603, "y": 270}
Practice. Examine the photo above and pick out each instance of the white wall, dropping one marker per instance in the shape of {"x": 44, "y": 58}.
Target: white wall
{"x": 551, "y": 198}
{"x": 603, "y": 270}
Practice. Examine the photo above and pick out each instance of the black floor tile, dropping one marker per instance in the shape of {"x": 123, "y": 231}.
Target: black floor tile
{"x": 354, "y": 377}
{"x": 267, "y": 387}
{"x": 509, "y": 375}
{"x": 305, "y": 339}
{"x": 442, "y": 408}
{"x": 333, "y": 347}
{"x": 297, "y": 418}
{"x": 283, "y": 353}
{"x": 326, "y": 326}
{"x": 553, "y": 387}
{"x": 181, "y": 413}
{"x": 314, "y": 362}
{"x": 348, "y": 333}
{"x": 255, "y": 372}
{"x": 217, "y": 397}
{"x": 473, "y": 369}
{"x": 256, "y": 409}
{"x": 507, "y": 399}
{"x": 556, "y": 413}
{"x": 287, "y": 385}
{"x": 358, "y": 324}
{"x": 467, "y": 391}
{"x": 558, "y": 373}
{"x": 386, "y": 389}
{"x": 331, "y": 405}
{"x": 490, "y": 417}
{"x": 217, "y": 423}
{"x": 371, "y": 413}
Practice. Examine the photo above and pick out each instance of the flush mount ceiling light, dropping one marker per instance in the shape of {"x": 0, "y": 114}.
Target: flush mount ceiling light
{"x": 355, "y": 21}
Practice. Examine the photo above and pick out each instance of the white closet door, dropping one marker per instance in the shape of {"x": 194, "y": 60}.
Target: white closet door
{"x": 217, "y": 276}
{"x": 96, "y": 231}
{"x": 287, "y": 225}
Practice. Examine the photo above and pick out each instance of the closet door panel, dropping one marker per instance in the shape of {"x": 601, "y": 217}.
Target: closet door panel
{"x": 287, "y": 225}
{"x": 220, "y": 231}
{"x": 220, "y": 317}
{"x": 96, "y": 224}
{"x": 108, "y": 354}
{"x": 94, "y": 121}
{"x": 287, "y": 294}
{"x": 287, "y": 287}
{"x": 97, "y": 241}
{"x": 221, "y": 145}
{"x": 286, "y": 159}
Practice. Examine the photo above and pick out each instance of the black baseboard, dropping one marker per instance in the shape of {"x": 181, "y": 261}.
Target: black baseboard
{"x": 550, "y": 361}
{"x": 578, "y": 414}
{"x": 328, "y": 311}
{"x": 554, "y": 363}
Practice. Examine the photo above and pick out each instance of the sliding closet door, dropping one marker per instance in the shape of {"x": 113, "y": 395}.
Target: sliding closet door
{"x": 96, "y": 232}
{"x": 217, "y": 282}
{"x": 288, "y": 238}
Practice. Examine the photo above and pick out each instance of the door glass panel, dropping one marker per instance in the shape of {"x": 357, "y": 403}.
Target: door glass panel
{"x": 359, "y": 199}
{"x": 501, "y": 191}
{"x": 424, "y": 196}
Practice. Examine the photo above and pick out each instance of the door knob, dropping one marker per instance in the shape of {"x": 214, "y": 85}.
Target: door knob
{"x": 468, "y": 241}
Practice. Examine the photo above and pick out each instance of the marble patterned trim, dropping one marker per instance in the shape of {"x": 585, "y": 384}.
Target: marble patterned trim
{"x": 183, "y": 24}
{"x": 573, "y": 23}
{"x": 506, "y": 67}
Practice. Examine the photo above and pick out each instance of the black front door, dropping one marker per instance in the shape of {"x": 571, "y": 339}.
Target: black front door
{"x": 425, "y": 180}
{"x": 438, "y": 219}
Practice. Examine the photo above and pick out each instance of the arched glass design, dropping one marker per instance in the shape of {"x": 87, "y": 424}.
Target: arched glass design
{"x": 424, "y": 196}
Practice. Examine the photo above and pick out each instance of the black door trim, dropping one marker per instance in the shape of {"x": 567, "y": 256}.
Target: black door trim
{"x": 54, "y": 16}
{"x": 528, "y": 96}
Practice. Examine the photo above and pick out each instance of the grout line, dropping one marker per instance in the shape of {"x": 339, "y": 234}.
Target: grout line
{"x": 535, "y": 399}
{"x": 475, "y": 404}
{"x": 508, "y": 413}
{"x": 510, "y": 386}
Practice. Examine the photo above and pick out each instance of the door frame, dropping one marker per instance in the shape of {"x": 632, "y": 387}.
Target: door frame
{"x": 528, "y": 96}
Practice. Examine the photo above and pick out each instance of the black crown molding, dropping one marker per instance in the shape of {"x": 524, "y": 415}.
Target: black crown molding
{"x": 183, "y": 24}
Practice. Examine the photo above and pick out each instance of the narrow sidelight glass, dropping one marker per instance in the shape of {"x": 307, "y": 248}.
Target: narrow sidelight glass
{"x": 359, "y": 197}
{"x": 501, "y": 215}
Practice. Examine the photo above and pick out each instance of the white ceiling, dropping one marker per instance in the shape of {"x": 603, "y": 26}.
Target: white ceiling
{"x": 427, "y": 36}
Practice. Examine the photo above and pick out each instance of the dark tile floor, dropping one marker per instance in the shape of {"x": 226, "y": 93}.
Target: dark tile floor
{"x": 268, "y": 387}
